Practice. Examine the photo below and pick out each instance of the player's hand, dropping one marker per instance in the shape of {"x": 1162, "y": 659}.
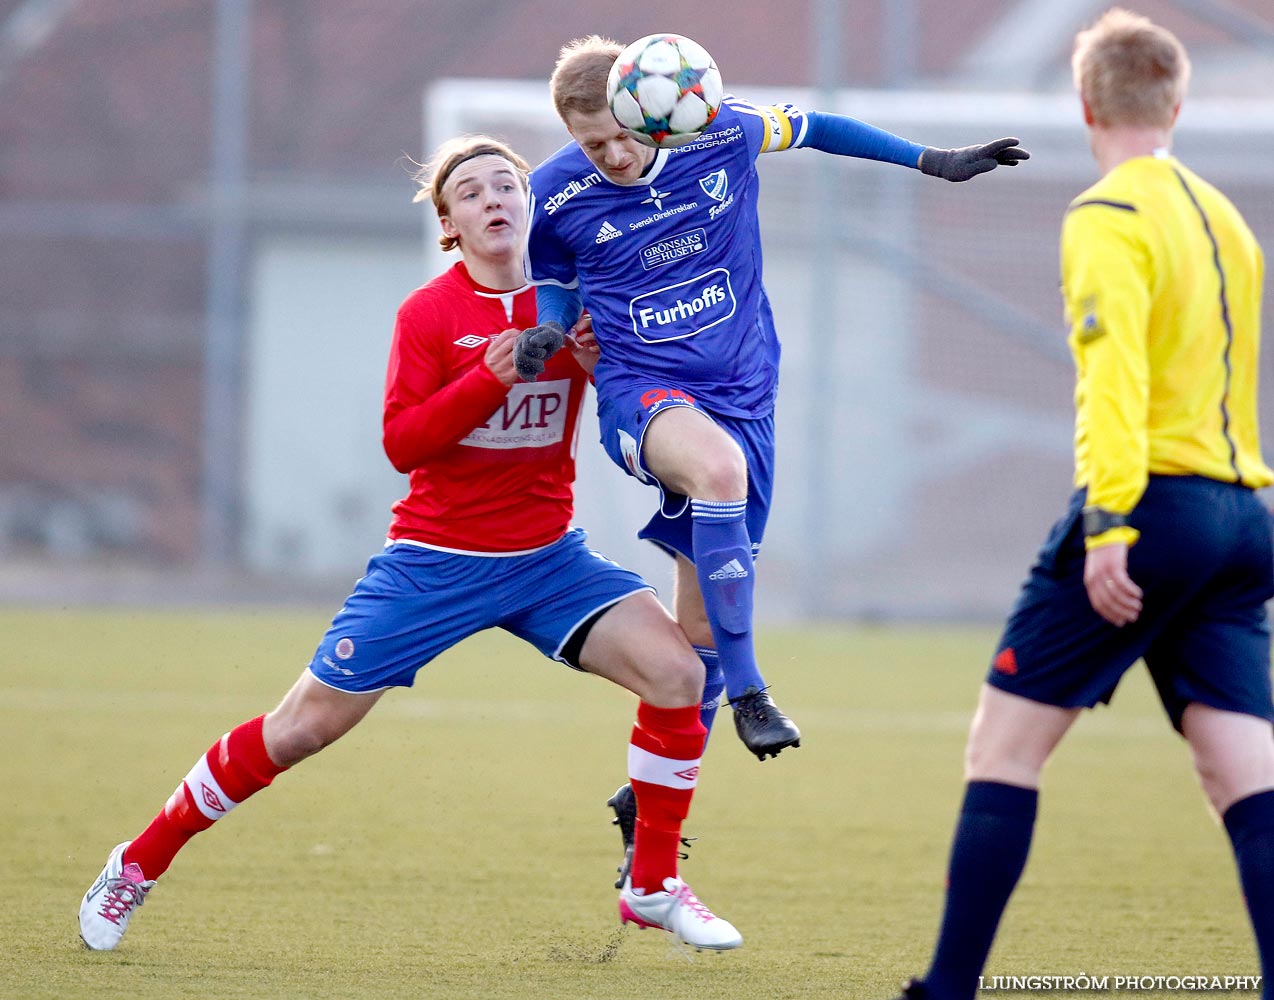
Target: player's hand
{"x": 969, "y": 161}
{"x": 499, "y": 357}
{"x": 534, "y": 347}
{"x": 583, "y": 344}
{"x": 1111, "y": 590}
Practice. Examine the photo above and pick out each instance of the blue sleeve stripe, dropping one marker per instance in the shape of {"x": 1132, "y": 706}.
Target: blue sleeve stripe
{"x": 850, "y": 137}
{"x": 558, "y": 304}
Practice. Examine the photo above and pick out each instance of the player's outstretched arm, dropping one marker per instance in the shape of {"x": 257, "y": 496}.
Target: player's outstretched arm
{"x": 969, "y": 161}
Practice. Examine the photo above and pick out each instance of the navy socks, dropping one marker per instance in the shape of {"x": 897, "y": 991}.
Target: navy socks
{"x": 992, "y": 839}
{"x": 1250, "y": 824}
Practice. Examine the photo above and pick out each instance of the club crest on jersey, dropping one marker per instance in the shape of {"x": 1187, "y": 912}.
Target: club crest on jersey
{"x": 715, "y": 184}
{"x": 533, "y": 416}
{"x": 470, "y": 340}
{"x": 684, "y": 309}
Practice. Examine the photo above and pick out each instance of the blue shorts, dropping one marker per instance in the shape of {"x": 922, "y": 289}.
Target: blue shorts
{"x": 624, "y": 417}
{"x": 1205, "y": 564}
{"x": 415, "y": 602}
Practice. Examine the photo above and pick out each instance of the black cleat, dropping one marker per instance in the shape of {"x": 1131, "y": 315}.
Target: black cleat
{"x": 624, "y": 802}
{"x": 914, "y": 989}
{"x": 761, "y": 726}
{"x": 625, "y": 805}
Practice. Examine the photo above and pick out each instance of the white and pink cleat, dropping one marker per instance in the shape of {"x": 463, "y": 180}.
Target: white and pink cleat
{"x": 111, "y": 902}
{"x": 678, "y": 911}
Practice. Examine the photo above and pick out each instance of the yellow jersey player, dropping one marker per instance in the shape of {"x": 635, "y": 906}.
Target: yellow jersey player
{"x": 1165, "y": 550}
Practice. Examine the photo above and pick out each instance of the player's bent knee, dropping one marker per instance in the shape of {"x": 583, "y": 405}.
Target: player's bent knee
{"x": 706, "y": 467}
{"x": 674, "y": 677}
{"x": 721, "y": 474}
{"x": 679, "y": 679}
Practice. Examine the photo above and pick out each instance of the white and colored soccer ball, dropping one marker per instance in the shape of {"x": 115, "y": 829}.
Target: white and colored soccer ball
{"x": 664, "y": 90}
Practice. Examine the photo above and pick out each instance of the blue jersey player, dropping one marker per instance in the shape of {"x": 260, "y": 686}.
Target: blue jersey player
{"x": 662, "y": 247}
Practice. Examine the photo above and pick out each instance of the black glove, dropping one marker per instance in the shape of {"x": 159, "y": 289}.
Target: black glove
{"x": 534, "y": 347}
{"x": 969, "y": 161}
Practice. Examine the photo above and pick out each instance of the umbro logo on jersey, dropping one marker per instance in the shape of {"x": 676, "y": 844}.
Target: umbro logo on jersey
{"x": 607, "y": 233}
{"x": 733, "y": 570}
{"x": 470, "y": 340}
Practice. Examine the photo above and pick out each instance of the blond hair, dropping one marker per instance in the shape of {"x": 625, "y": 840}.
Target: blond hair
{"x": 1130, "y": 71}
{"x": 578, "y": 83}
{"x": 432, "y": 176}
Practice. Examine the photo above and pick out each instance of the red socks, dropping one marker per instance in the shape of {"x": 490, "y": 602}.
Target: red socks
{"x": 663, "y": 766}
{"x": 234, "y": 768}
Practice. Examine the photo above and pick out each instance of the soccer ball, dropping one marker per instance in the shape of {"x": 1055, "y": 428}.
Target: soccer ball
{"x": 664, "y": 90}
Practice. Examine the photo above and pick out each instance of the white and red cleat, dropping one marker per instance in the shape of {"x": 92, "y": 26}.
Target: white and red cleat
{"x": 111, "y": 901}
{"x": 678, "y": 911}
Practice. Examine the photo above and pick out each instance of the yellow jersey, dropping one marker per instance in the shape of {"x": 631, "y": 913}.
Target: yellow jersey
{"x": 1162, "y": 284}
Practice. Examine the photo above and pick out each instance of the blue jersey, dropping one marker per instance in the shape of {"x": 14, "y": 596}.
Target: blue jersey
{"x": 670, "y": 267}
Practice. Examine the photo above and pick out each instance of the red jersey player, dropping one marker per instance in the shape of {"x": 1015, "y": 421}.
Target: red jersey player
{"x": 482, "y": 540}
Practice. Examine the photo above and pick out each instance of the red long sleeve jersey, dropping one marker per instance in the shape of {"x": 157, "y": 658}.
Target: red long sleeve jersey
{"x": 491, "y": 466}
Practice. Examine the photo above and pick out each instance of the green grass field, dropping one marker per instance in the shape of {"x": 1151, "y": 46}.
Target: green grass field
{"x": 456, "y": 844}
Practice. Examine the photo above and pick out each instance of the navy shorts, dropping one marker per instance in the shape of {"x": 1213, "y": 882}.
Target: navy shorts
{"x": 1205, "y": 565}
{"x": 415, "y": 602}
{"x": 624, "y": 416}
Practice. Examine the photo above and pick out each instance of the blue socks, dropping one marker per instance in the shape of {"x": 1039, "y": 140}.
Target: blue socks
{"x": 713, "y": 686}
{"x": 1250, "y": 824}
{"x": 992, "y": 839}
{"x": 723, "y": 564}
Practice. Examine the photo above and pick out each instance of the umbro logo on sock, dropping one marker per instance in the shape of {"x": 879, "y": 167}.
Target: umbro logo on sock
{"x": 211, "y": 799}
{"x": 607, "y": 233}
{"x": 733, "y": 570}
